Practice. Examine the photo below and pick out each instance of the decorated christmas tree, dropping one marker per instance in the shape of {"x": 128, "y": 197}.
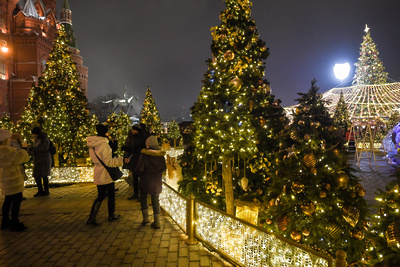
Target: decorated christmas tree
{"x": 369, "y": 68}
{"x": 384, "y": 232}
{"x": 6, "y": 123}
{"x": 341, "y": 117}
{"x": 150, "y": 115}
{"x": 313, "y": 197}
{"x": 58, "y": 105}
{"x": 118, "y": 128}
{"x": 174, "y": 132}
{"x": 231, "y": 113}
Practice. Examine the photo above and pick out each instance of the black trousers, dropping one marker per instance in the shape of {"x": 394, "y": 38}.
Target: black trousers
{"x": 13, "y": 203}
{"x": 107, "y": 190}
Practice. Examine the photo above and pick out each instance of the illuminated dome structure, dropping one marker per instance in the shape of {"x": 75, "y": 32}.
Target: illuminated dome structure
{"x": 367, "y": 102}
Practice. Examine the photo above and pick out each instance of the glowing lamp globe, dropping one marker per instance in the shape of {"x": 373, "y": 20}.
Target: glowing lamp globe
{"x": 341, "y": 71}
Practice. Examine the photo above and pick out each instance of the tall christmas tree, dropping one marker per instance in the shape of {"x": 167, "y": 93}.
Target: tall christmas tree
{"x": 369, "y": 68}
{"x": 150, "y": 115}
{"x": 174, "y": 132}
{"x": 314, "y": 197}
{"x": 58, "y": 105}
{"x": 228, "y": 115}
{"x": 384, "y": 232}
{"x": 341, "y": 117}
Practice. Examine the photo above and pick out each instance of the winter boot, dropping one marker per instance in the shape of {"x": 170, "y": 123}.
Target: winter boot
{"x": 156, "y": 224}
{"x": 46, "y": 186}
{"x": 17, "y": 226}
{"x": 39, "y": 186}
{"x": 5, "y": 223}
{"x": 146, "y": 219}
{"x": 93, "y": 213}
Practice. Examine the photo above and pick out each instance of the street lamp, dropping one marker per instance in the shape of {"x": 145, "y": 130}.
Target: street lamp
{"x": 4, "y": 48}
{"x": 341, "y": 71}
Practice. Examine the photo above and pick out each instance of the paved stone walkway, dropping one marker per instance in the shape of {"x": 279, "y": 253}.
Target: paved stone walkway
{"x": 57, "y": 234}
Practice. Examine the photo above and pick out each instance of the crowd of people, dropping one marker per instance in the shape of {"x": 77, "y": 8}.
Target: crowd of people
{"x": 142, "y": 157}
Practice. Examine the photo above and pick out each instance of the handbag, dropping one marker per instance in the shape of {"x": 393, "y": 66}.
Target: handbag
{"x": 114, "y": 172}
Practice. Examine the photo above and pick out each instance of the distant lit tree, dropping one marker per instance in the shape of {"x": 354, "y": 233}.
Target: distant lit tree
{"x": 369, "y": 68}
{"x": 174, "y": 132}
{"x": 341, "y": 117}
{"x": 150, "y": 115}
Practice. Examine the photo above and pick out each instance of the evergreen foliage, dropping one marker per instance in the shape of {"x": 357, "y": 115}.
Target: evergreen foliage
{"x": 174, "y": 132}
{"x": 236, "y": 119}
{"x": 119, "y": 127}
{"x": 150, "y": 115}
{"x": 384, "y": 232}
{"x": 7, "y": 123}
{"x": 314, "y": 197}
{"x": 58, "y": 105}
{"x": 369, "y": 68}
{"x": 341, "y": 117}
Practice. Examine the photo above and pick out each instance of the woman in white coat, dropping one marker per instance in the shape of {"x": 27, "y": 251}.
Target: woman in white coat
{"x": 11, "y": 181}
{"x": 100, "y": 148}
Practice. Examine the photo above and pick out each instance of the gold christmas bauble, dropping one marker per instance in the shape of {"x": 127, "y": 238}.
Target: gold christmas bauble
{"x": 342, "y": 180}
{"x": 306, "y": 232}
{"x": 393, "y": 235}
{"x": 353, "y": 194}
{"x": 293, "y": 135}
{"x": 301, "y": 123}
{"x": 194, "y": 178}
{"x": 229, "y": 55}
{"x": 297, "y": 187}
{"x": 359, "y": 234}
{"x": 268, "y": 221}
{"x": 351, "y": 214}
{"x": 331, "y": 128}
{"x": 310, "y": 160}
{"x": 307, "y": 137}
{"x": 308, "y": 209}
{"x": 336, "y": 152}
{"x": 237, "y": 83}
{"x": 282, "y": 222}
{"x": 287, "y": 128}
{"x": 314, "y": 171}
{"x": 266, "y": 89}
{"x": 296, "y": 236}
{"x": 322, "y": 194}
{"x": 333, "y": 229}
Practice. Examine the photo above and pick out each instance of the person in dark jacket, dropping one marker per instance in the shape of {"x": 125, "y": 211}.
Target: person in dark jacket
{"x": 150, "y": 167}
{"x": 134, "y": 143}
{"x": 41, "y": 161}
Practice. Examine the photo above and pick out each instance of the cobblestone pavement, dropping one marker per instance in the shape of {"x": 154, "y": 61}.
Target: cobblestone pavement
{"x": 57, "y": 234}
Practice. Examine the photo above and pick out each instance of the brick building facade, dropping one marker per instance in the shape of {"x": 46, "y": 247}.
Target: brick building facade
{"x": 28, "y": 29}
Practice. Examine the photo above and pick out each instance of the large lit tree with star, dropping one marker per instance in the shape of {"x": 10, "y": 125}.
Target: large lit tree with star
{"x": 58, "y": 105}
{"x": 231, "y": 123}
{"x": 369, "y": 68}
{"x": 314, "y": 197}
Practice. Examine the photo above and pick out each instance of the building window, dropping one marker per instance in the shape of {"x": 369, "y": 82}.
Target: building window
{"x": 2, "y": 19}
{"x": 2, "y": 65}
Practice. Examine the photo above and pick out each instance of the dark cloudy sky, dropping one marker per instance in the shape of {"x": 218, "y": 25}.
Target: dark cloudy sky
{"x": 164, "y": 44}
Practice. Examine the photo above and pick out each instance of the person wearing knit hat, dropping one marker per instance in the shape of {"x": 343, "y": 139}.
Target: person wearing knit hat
{"x": 42, "y": 160}
{"x": 101, "y": 153}
{"x": 150, "y": 167}
{"x": 11, "y": 182}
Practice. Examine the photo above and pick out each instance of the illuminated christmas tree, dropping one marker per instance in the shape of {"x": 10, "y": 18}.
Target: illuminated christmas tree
{"x": 118, "y": 127}
{"x": 150, "y": 115}
{"x": 58, "y": 105}
{"x": 341, "y": 117}
{"x": 313, "y": 197}
{"x": 369, "y": 68}
{"x": 174, "y": 132}
{"x": 6, "y": 123}
{"x": 384, "y": 232}
{"x": 231, "y": 113}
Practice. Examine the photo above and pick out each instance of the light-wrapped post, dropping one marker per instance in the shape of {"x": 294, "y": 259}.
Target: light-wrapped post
{"x": 340, "y": 259}
{"x": 190, "y": 222}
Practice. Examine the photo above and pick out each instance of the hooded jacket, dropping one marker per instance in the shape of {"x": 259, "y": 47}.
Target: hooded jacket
{"x": 41, "y": 156}
{"x": 150, "y": 167}
{"x": 11, "y": 177}
{"x": 103, "y": 150}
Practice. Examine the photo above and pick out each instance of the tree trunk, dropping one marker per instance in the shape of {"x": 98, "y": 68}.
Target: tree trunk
{"x": 175, "y": 144}
{"x": 227, "y": 177}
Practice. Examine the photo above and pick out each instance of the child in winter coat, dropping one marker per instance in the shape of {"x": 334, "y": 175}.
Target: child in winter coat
{"x": 149, "y": 168}
{"x": 11, "y": 182}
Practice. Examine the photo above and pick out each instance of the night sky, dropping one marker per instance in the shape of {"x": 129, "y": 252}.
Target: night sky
{"x": 164, "y": 44}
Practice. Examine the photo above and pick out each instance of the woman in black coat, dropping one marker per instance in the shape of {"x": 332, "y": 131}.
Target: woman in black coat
{"x": 41, "y": 161}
